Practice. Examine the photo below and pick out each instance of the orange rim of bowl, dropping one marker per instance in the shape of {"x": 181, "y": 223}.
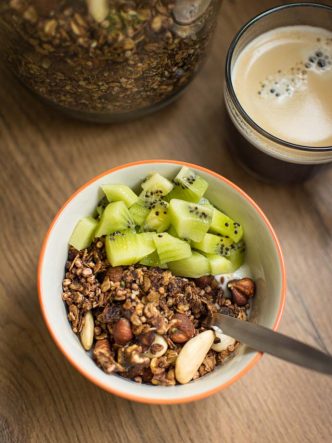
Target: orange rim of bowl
{"x": 112, "y": 390}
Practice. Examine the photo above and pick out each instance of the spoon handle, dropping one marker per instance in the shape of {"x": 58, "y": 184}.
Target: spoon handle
{"x": 265, "y": 340}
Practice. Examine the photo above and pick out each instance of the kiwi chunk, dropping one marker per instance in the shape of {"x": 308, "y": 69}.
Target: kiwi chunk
{"x": 158, "y": 219}
{"x": 156, "y": 182}
{"x": 152, "y": 260}
{"x": 220, "y": 265}
{"x": 115, "y": 217}
{"x": 190, "y": 220}
{"x": 224, "y": 225}
{"x": 170, "y": 248}
{"x": 101, "y": 207}
{"x": 213, "y": 244}
{"x": 171, "y": 230}
{"x": 189, "y": 186}
{"x": 83, "y": 233}
{"x": 123, "y": 193}
{"x": 139, "y": 212}
{"x": 155, "y": 187}
{"x": 127, "y": 248}
{"x": 236, "y": 254}
{"x": 192, "y": 267}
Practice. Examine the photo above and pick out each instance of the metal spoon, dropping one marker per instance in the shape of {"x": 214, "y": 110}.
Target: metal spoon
{"x": 265, "y": 340}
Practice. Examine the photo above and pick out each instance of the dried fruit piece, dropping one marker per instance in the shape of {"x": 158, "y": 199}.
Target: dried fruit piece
{"x": 87, "y": 331}
{"x": 192, "y": 355}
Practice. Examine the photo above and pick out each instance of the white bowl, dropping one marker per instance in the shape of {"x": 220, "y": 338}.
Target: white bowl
{"x": 264, "y": 257}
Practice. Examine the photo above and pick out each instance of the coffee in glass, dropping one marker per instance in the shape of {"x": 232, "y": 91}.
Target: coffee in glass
{"x": 279, "y": 91}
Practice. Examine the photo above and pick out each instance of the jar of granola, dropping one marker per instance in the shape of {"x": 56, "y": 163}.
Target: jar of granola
{"x": 106, "y": 60}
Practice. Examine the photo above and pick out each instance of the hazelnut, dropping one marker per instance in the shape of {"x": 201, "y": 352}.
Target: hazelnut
{"x": 242, "y": 290}
{"x": 182, "y": 329}
{"x": 122, "y": 332}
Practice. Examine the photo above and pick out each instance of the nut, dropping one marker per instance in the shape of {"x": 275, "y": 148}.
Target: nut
{"x": 242, "y": 290}
{"x": 225, "y": 341}
{"x": 182, "y": 330}
{"x": 122, "y": 332}
{"x": 158, "y": 347}
{"x": 102, "y": 354}
{"x": 192, "y": 355}
{"x": 146, "y": 339}
{"x": 98, "y": 9}
{"x": 87, "y": 331}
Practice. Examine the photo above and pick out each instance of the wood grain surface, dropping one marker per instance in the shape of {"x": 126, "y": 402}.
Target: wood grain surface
{"x": 44, "y": 158}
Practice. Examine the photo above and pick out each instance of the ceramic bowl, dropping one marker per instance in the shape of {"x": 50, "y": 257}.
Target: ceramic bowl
{"x": 264, "y": 257}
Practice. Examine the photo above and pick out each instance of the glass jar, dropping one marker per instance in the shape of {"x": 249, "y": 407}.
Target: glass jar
{"x": 106, "y": 60}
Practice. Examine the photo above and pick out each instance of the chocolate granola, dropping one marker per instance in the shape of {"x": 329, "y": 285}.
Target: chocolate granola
{"x": 140, "y": 317}
{"x": 130, "y": 56}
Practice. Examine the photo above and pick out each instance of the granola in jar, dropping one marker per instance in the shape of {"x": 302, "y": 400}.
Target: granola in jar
{"x": 106, "y": 59}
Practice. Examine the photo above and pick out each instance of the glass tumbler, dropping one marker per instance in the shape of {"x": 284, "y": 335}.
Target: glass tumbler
{"x": 263, "y": 154}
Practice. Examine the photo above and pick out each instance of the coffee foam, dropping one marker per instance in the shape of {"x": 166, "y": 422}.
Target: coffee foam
{"x": 283, "y": 79}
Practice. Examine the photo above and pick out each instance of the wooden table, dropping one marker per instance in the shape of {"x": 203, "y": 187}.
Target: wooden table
{"x": 44, "y": 158}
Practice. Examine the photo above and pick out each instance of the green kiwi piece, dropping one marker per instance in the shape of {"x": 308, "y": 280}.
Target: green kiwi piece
{"x": 188, "y": 186}
{"x": 83, "y": 233}
{"x": 170, "y": 248}
{"x": 190, "y": 220}
{"x": 115, "y": 217}
{"x": 213, "y": 244}
{"x": 171, "y": 231}
{"x": 156, "y": 182}
{"x": 158, "y": 219}
{"x": 123, "y": 193}
{"x": 139, "y": 212}
{"x": 100, "y": 208}
{"x": 236, "y": 254}
{"x": 155, "y": 187}
{"x": 152, "y": 260}
{"x": 193, "y": 267}
{"x": 128, "y": 248}
{"x": 220, "y": 265}
{"x": 224, "y": 225}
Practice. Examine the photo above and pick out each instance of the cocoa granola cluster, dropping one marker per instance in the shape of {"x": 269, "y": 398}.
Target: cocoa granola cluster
{"x": 137, "y": 319}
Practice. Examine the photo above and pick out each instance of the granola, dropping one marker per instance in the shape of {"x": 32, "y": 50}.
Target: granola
{"x": 130, "y": 56}
{"x": 142, "y": 317}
